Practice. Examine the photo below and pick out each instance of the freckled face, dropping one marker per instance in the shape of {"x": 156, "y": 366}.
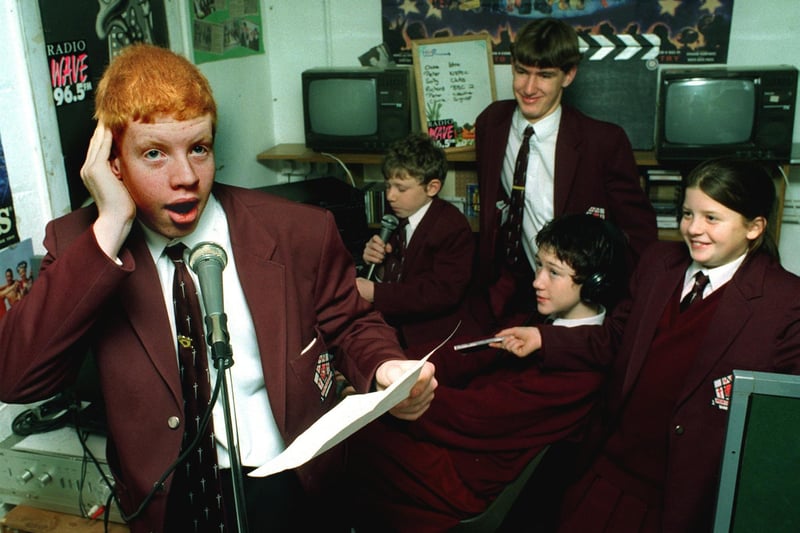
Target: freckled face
{"x": 168, "y": 168}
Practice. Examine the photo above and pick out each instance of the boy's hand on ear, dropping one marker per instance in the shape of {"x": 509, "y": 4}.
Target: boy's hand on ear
{"x": 116, "y": 209}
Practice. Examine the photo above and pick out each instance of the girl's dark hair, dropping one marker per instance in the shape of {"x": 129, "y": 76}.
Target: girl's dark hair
{"x": 547, "y": 43}
{"x": 741, "y": 185}
{"x": 595, "y": 249}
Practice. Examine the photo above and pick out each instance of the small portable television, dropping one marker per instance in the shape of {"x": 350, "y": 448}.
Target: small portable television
{"x": 358, "y": 109}
{"x": 705, "y": 112}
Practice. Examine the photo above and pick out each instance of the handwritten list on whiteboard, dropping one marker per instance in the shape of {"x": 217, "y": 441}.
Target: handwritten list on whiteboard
{"x": 455, "y": 82}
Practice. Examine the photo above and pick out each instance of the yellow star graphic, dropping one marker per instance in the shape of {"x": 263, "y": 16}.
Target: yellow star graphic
{"x": 434, "y": 13}
{"x": 409, "y": 6}
{"x": 711, "y": 5}
{"x": 669, "y": 6}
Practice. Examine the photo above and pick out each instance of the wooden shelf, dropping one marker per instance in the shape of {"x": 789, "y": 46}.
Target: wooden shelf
{"x": 669, "y": 234}
{"x": 299, "y": 152}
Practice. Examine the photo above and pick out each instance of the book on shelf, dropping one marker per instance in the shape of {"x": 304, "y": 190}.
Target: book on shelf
{"x": 374, "y": 200}
{"x": 664, "y": 192}
{"x": 666, "y": 222}
{"x": 663, "y": 174}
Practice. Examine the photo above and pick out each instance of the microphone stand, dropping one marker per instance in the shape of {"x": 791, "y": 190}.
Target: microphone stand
{"x": 222, "y": 356}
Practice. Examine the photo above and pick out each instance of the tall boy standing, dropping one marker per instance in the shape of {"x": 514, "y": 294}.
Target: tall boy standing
{"x": 575, "y": 164}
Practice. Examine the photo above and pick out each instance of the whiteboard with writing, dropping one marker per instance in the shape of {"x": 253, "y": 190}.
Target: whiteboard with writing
{"x": 455, "y": 82}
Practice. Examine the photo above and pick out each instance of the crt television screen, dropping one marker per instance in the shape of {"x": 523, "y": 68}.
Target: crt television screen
{"x": 343, "y": 106}
{"x": 709, "y": 111}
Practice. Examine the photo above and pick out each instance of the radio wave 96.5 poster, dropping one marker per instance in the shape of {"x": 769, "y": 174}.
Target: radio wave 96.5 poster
{"x": 81, "y": 37}
{"x": 690, "y": 31}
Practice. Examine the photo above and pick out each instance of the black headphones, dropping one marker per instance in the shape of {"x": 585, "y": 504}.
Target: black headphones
{"x": 594, "y": 288}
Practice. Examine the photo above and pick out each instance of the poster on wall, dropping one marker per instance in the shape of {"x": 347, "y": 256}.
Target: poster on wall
{"x": 16, "y": 262}
{"x": 8, "y": 220}
{"x": 688, "y": 31}
{"x": 224, "y": 29}
{"x": 81, "y": 37}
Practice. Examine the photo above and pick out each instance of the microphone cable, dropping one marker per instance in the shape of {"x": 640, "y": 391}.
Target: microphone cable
{"x": 158, "y": 485}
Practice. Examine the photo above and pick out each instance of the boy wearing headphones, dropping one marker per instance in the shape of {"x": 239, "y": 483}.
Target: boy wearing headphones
{"x": 579, "y": 272}
{"x": 492, "y": 413}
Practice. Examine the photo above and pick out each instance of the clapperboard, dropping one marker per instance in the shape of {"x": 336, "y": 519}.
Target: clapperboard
{"x": 617, "y": 82}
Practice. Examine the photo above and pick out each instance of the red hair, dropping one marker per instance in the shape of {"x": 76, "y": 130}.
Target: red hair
{"x": 145, "y": 81}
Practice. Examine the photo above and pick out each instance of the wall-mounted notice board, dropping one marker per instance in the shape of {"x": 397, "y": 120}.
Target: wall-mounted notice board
{"x": 455, "y": 82}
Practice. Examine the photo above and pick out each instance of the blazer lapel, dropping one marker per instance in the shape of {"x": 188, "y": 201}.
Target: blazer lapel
{"x": 264, "y": 285}
{"x": 146, "y": 310}
{"x": 415, "y": 245}
{"x": 661, "y": 287}
{"x": 567, "y": 154}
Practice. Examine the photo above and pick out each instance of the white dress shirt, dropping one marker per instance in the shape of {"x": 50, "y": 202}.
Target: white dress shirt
{"x": 540, "y": 178}
{"x": 717, "y": 276}
{"x": 258, "y": 437}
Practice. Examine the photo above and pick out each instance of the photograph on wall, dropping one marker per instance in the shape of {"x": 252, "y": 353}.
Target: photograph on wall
{"x": 16, "y": 262}
{"x": 687, "y": 31}
{"x": 81, "y": 37}
{"x": 224, "y": 29}
{"x": 8, "y": 220}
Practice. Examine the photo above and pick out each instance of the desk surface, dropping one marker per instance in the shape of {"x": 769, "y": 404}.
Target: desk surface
{"x": 27, "y": 519}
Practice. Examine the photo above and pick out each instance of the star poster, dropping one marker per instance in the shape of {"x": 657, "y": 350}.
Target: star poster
{"x": 689, "y": 31}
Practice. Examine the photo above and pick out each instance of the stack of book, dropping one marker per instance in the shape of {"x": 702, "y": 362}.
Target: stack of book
{"x": 374, "y": 200}
{"x": 664, "y": 191}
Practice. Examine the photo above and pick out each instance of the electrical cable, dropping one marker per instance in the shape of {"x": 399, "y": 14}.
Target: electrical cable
{"x": 341, "y": 163}
{"x": 112, "y": 497}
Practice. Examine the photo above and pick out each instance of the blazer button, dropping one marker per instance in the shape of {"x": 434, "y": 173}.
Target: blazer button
{"x": 174, "y": 422}
{"x": 679, "y": 429}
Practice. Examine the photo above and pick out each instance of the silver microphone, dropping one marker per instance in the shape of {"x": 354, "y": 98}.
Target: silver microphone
{"x": 208, "y": 260}
{"x": 389, "y": 223}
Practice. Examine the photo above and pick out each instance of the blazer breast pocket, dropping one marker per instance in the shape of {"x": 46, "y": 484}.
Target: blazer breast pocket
{"x": 316, "y": 364}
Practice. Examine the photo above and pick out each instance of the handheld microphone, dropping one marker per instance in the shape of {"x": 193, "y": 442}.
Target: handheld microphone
{"x": 208, "y": 260}
{"x": 389, "y": 223}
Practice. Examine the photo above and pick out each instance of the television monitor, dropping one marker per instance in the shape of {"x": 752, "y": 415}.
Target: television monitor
{"x": 760, "y": 475}
{"x": 706, "y": 112}
{"x": 361, "y": 109}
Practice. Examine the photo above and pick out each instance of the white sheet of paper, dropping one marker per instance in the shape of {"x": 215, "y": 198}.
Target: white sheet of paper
{"x": 350, "y": 415}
